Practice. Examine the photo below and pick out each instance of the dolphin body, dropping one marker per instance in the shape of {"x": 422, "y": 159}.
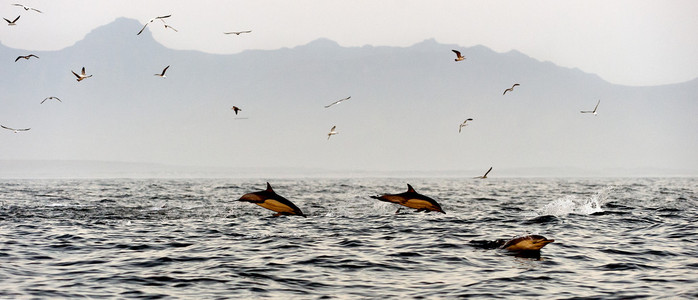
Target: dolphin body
{"x": 527, "y": 246}
{"x": 272, "y": 201}
{"x": 412, "y": 199}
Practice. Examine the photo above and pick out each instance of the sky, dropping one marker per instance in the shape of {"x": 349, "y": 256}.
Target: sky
{"x": 634, "y": 43}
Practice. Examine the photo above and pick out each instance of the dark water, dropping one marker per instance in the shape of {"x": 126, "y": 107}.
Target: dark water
{"x": 615, "y": 238}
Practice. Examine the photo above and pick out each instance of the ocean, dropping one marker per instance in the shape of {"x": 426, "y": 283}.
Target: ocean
{"x": 615, "y": 238}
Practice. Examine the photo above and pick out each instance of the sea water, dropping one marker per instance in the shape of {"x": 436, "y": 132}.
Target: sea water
{"x": 190, "y": 239}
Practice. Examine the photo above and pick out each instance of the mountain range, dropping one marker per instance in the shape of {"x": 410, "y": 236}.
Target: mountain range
{"x": 405, "y": 107}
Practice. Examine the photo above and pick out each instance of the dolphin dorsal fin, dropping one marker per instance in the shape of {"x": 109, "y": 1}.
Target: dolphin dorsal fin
{"x": 269, "y": 187}
{"x": 410, "y": 189}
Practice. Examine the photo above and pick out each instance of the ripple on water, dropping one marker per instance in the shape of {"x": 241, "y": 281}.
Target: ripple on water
{"x": 186, "y": 239}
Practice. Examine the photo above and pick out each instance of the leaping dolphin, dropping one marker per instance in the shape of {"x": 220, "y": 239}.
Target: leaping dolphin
{"x": 412, "y": 199}
{"x": 272, "y": 201}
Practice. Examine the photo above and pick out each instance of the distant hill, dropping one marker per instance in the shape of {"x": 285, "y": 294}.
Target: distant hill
{"x": 404, "y": 112}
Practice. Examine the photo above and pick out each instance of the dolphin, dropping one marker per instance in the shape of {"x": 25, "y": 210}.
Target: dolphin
{"x": 527, "y": 246}
{"x": 411, "y": 199}
{"x": 526, "y": 243}
{"x": 272, "y": 201}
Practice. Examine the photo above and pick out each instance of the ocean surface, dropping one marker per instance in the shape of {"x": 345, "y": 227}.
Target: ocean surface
{"x": 189, "y": 239}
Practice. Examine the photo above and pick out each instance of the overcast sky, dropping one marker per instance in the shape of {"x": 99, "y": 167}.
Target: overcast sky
{"x": 624, "y": 42}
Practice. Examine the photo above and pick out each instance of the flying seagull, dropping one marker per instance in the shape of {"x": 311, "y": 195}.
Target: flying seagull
{"x": 81, "y": 76}
{"x": 15, "y": 130}
{"x": 25, "y": 57}
{"x": 151, "y": 21}
{"x": 332, "y": 132}
{"x": 49, "y": 98}
{"x": 163, "y": 73}
{"x": 27, "y": 7}
{"x": 236, "y": 109}
{"x": 484, "y": 176}
{"x": 459, "y": 56}
{"x": 13, "y": 22}
{"x": 464, "y": 124}
{"x": 511, "y": 89}
{"x": 238, "y": 32}
{"x": 593, "y": 111}
{"x": 337, "y": 102}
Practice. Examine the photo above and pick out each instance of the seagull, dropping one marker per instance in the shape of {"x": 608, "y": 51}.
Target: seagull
{"x": 337, "y": 102}
{"x": 81, "y": 76}
{"x": 236, "y": 109}
{"x": 593, "y": 111}
{"x": 25, "y": 57}
{"x": 460, "y": 57}
{"x": 151, "y": 21}
{"x": 15, "y": 130}
{"x": 49, "y": 98}
{"x": 464, "y": 124}
{"x": 163, "y": 73}
{"x": 27, "y": 7}
{"x": 13, "y": 22}
{"x": 332, "y": 132}
{"x": 238, "y": 32}
{"x": 484, "y": 176}
{"x": 511, "y": 89}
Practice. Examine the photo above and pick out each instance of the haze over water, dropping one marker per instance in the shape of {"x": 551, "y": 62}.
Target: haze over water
{"x": 188, "y": 238}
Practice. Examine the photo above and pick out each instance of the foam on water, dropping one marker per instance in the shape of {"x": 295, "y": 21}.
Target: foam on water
{"x": 573, "y": 204}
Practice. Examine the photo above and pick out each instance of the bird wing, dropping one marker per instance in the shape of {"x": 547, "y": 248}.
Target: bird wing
{"x": 144, "y": 26}
{"x": 597, "y": 105}
{"x": 83, "y": 71}
{"x": 48, "y": 98}
{"x": 168, "y": 26}
{"x": 457, "y": 53}
{"x": 340, "y": 100}
{"x": 16, "y": 19}
{"x": 586, "y": 112}
{"x": 8, "y": 21}
{"x": 333, "y": 103}
{"x": 165, "y": 70}
{"x": 30, "y": 55}
{"x": 13, "y": 129}
{"x": 76, "y": 75}
{"x": 163, "y": 17}
{"x": 488, "y": 171}
{"x": 505, "y": 91}
{"x": 18, "y": 57}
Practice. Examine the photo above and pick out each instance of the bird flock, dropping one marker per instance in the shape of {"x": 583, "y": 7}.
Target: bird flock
{"x": 82, "y": 75}
{"x": 163, "y": 21}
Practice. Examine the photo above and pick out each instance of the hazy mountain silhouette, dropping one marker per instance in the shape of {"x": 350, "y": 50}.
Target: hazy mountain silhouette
{"x": 404, "y": 112}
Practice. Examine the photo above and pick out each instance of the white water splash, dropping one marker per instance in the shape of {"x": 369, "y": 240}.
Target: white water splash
{"x": 572, "y": 204}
